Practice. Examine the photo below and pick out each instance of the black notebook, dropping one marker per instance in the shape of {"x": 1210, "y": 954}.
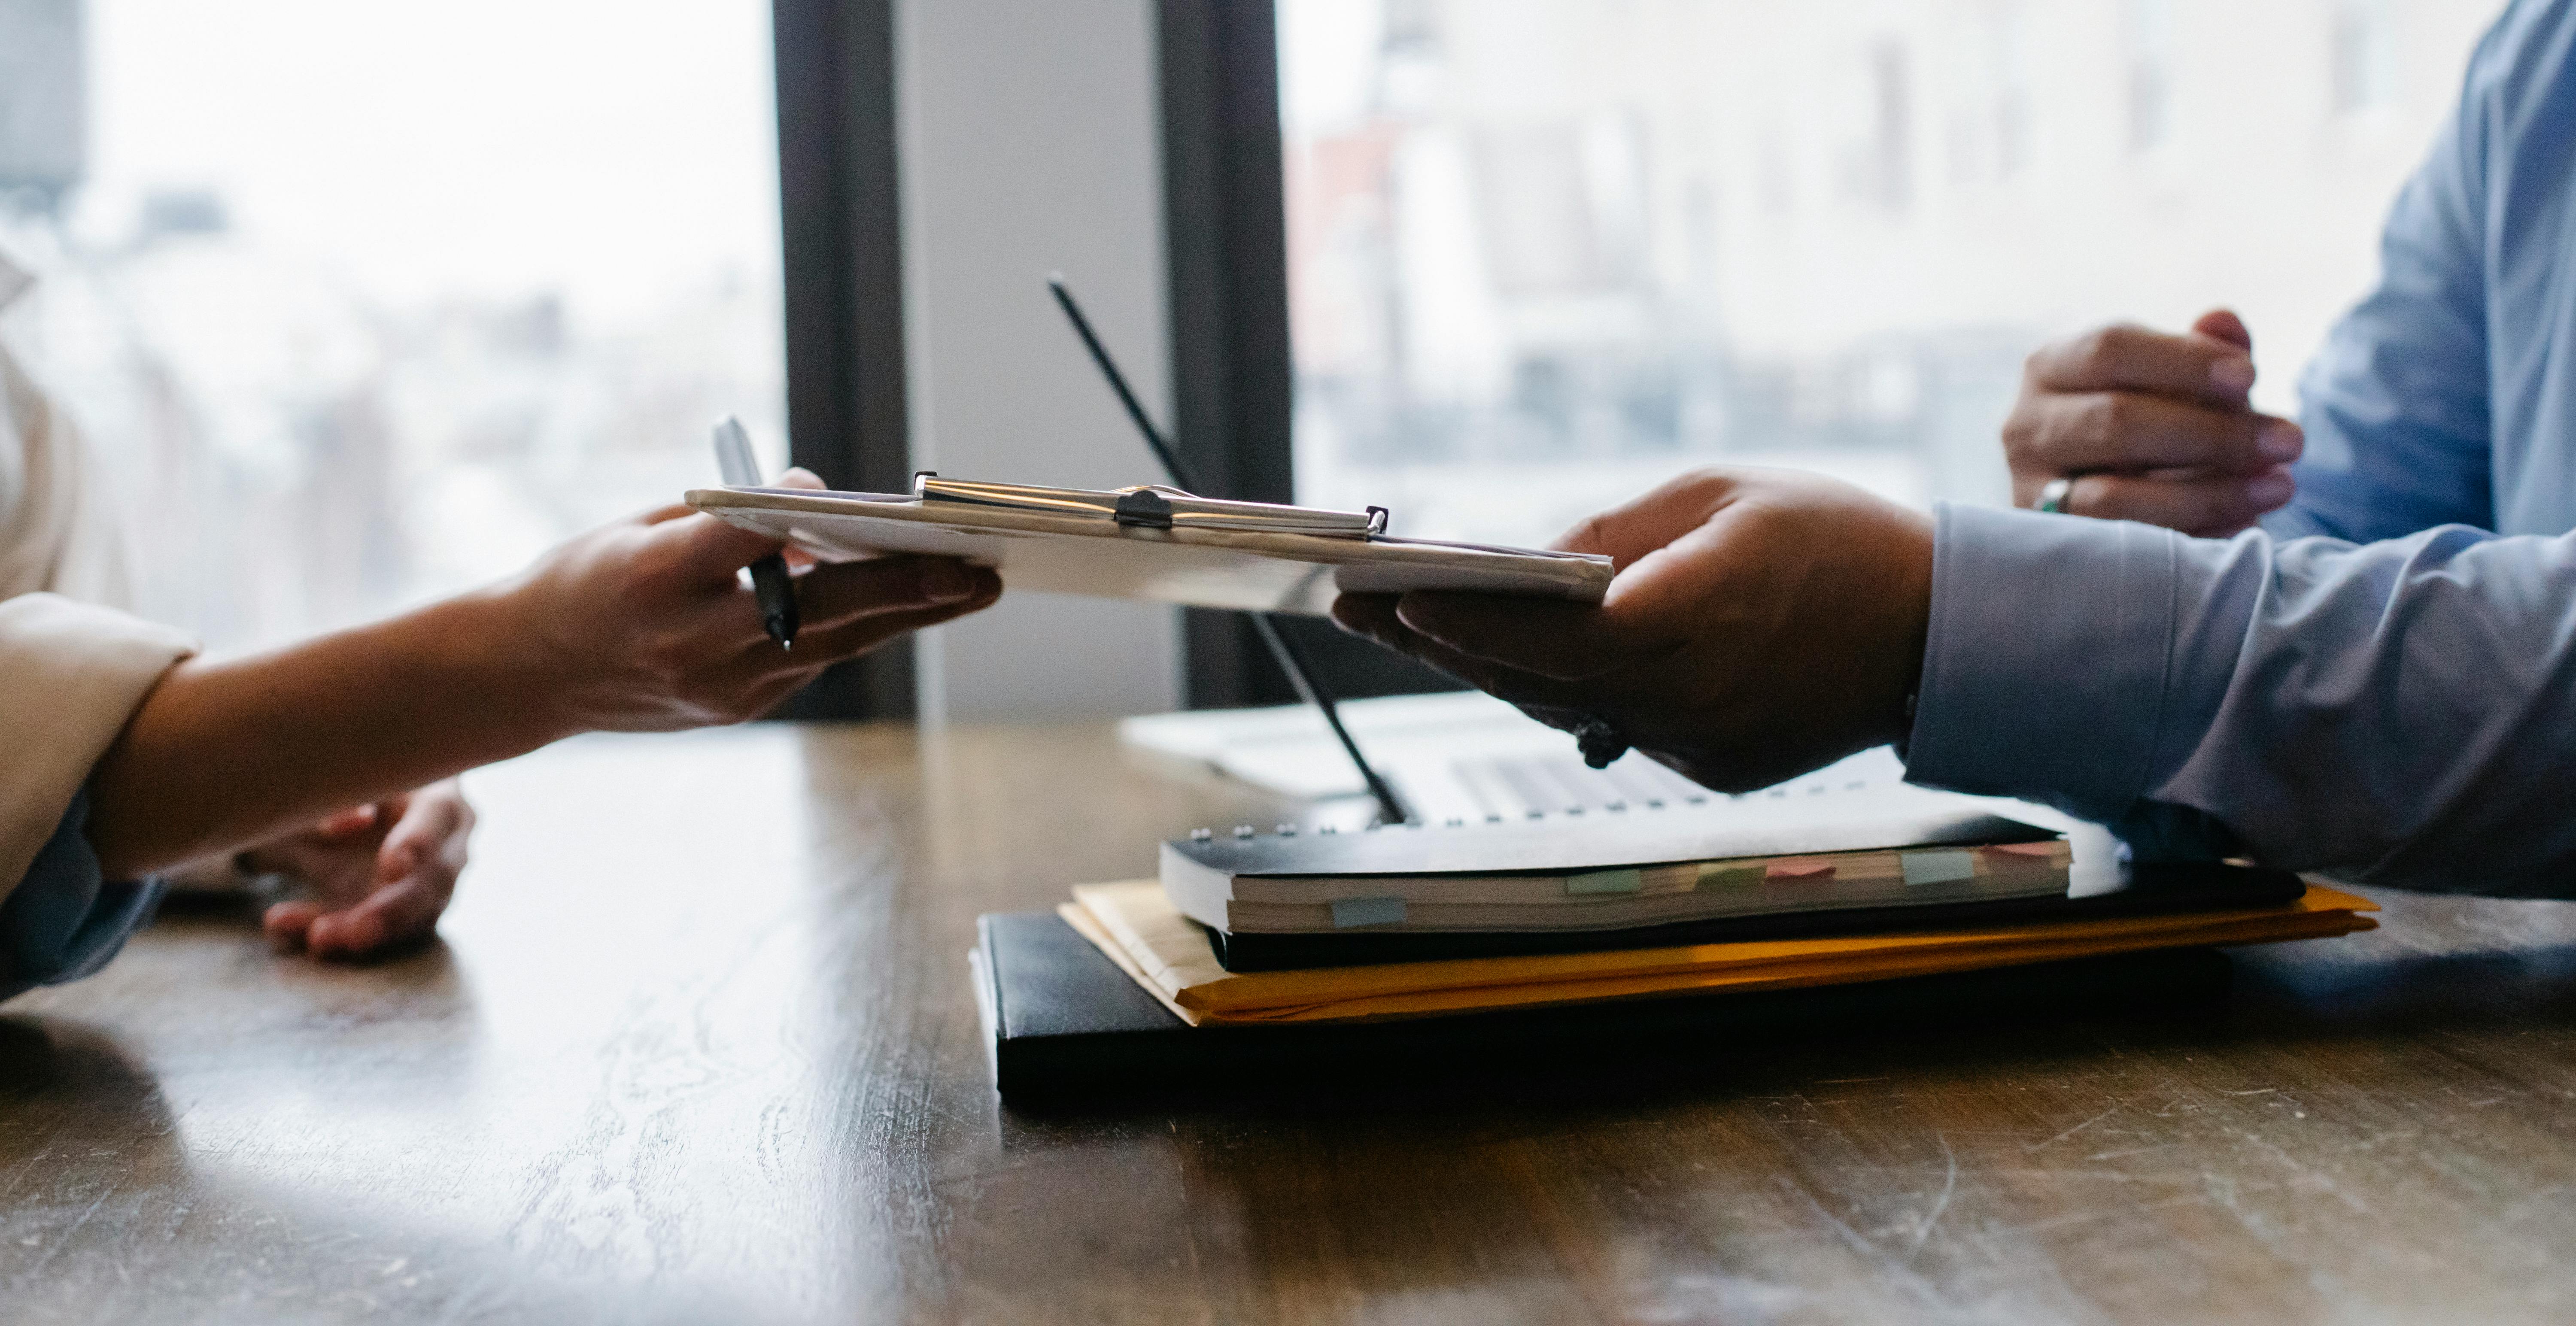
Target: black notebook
{"x": 1061, "y": 1021}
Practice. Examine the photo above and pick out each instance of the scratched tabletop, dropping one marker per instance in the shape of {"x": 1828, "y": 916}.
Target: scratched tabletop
{"x": 698, "y": 1046}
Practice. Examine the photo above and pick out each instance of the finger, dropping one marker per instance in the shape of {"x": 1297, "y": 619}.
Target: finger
{"x": 2132, "y": 358}
{"x": 286, "y": 924}
{"x": 861, "y": 634}
{"x": 1636, "y": 528}
{"x": 398, "y": 913}
{"x": 707, "y": 551}
{"x": 799, "y": 561}
{"x": 1500, "y": 680}
{"x": 435, "y": 833}
{"x": 1567, "y": 721}
{"x": 830, "y": 595}
{"x": 346, "y": 823}
{"x": 766, "y": 675}
{"x": 1548, "y": 638}
{"x": 2127, "y": 430}
{"x": 2210, "y": 505}
{"x": 418, "y": 867}
{"x": 1366, "y": 614}
{"x": 2223, "y": 325}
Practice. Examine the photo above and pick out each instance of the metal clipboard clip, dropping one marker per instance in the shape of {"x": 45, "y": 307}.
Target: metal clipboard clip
{"x": 1153, "y": 506}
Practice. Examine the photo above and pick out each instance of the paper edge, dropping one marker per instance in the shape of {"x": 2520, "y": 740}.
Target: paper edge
{"x": 1089, "y": 927}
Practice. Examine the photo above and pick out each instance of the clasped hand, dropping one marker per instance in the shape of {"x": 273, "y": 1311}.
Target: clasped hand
{"x": 2151, "y": 426}
{"x": 1761, "y": 623}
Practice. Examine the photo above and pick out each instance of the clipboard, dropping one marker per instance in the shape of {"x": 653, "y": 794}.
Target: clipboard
{"x": 1150, "y": 542}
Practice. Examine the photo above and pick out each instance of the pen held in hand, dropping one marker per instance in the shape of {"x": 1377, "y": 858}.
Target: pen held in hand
{"x": 769, "y": 580}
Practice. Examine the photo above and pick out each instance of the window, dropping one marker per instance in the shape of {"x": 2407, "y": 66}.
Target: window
{"x": 1542, "y": 254}
{"x": 2364, "y": 54}
{"x": 2151, "y": 67}
{"x": 367, "y": 303}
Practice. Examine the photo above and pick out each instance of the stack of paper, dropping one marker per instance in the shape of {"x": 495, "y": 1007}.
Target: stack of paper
{"x": 1171, "y": 957}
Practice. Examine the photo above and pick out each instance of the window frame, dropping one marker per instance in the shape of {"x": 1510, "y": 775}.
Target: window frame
{"x": 841, "y": 250}
{"x": 1233, "y": 382}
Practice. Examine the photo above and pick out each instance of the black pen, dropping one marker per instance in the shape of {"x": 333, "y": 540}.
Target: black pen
{"x": 769, "y": 579}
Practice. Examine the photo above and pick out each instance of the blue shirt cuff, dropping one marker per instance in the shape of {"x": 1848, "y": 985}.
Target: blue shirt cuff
{"x": 2044, "y": 673}
{"x": 65, "y": 920}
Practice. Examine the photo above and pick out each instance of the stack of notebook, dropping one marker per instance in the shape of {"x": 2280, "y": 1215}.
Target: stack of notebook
{"x": 1475, "y": 922}
{"x": 1723, "y": 869}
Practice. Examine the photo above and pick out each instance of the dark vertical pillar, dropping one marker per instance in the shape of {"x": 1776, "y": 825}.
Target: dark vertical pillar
{"x": 1225, "y": 227}
{"x": 1226, "y": 223}
{"x": 842, "y": 243}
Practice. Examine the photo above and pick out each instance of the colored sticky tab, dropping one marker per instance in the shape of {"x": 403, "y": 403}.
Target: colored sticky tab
{"x": 1938, "y": 867}
{"x": 1349, "y": 912}
{"x": 1806, "y": 869}
{"x": 1605, "y": 881}
{"x": 1728, "y": 875}
{"x": 2041, "y": 851}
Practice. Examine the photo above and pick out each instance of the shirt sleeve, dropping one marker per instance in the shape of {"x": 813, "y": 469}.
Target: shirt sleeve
{"x": 71, "y": 675}
{"x": 2396, "y": 402}
{"x": 2401, "y": 712}
{"x": 64, "y": 920}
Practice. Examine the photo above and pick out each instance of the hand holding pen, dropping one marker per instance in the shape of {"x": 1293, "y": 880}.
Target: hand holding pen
{"x": 768, "y": 575}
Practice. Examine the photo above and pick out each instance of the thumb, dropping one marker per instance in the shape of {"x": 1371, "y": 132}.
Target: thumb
{"x": 436, "y": 827}
{"x": 1546, "y": 638}
{"x": 2223, "y": 325}
{"x": 1630, "y": 531}
{"x": 348, "y": 823}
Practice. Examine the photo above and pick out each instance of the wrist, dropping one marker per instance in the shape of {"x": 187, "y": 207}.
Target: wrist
{"x": 495, "y": 648}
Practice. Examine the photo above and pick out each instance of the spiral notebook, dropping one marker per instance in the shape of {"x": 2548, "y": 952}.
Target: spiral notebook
{"x": 1618, "y": 867}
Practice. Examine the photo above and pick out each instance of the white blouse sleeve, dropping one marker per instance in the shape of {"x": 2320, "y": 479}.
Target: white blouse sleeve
{"x": 71, "y": 674}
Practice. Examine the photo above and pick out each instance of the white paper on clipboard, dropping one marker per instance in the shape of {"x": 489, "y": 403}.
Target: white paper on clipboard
{"x": 1251, "y": 570}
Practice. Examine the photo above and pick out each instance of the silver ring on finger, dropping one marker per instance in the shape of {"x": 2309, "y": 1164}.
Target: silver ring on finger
{"x": 2052, "y": 495}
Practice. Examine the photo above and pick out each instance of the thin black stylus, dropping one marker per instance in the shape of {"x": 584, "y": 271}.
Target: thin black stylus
{"x": 1390, "y": 807}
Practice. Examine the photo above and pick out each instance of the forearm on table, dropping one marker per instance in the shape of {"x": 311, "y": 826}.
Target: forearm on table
{"x": 224, "y": 753}
{"x": 2397, "y": 712}
{"x": 2392, "y": 711}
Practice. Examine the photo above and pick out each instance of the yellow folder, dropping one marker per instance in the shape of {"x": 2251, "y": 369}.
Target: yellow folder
{"x": 1169, "y": 955}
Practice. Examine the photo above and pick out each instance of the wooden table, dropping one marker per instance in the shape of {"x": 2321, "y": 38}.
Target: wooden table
{"x": 699, "y": 1047}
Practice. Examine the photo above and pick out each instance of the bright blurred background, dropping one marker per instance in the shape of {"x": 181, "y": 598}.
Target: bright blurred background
{"x": 1545, "y": 253}
{"x": 369, "y": 302}
{"x": 366, "y": 303}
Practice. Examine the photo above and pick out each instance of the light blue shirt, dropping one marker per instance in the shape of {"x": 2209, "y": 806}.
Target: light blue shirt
{"x": 2391, "y": 697}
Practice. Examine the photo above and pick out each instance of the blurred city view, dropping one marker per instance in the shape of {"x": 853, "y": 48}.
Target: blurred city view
{"x": 366, "y": 304}
{"x": 1545, "y": 253}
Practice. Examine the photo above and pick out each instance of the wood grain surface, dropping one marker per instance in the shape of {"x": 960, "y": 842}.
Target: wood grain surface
{"x": 698, "y": 1046}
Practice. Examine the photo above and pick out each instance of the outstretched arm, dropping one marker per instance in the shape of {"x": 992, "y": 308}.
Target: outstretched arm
{"x": 2396, "y": 711}
{"x": 640, "y": 625}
